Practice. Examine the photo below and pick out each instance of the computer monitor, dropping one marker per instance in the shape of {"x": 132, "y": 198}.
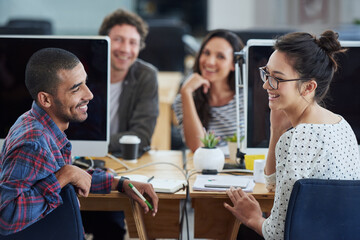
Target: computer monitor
{"x": 89, "y": 138}
{"x": 343, "y": 97}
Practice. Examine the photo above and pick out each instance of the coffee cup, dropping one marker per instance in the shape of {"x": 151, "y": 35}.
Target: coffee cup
{"x": 130, "y": 147}
{"x": 259, "y": 165}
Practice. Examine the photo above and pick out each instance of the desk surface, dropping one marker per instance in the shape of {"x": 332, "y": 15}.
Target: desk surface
{"x": 211, "y": 219}
{"x": 166, "y": 222}
{"x": 163, "y": 168}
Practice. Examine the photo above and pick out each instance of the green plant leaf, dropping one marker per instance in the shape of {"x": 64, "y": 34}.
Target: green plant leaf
{"x": 210, "y": 140}
{"x": 233, "y": 138}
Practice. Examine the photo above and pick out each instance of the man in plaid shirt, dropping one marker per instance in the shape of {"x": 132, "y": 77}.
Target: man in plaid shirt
{"x": 35, "y": 160}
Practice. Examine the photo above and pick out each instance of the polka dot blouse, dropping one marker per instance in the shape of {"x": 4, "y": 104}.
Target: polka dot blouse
{"x": 324, "y": 151}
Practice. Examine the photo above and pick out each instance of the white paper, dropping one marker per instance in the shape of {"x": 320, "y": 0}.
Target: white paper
{"x": 202, "y": 180}
{"x": 160, "y": 185}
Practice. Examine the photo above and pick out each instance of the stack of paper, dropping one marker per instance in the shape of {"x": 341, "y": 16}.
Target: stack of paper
{"x": 220, "y": 183}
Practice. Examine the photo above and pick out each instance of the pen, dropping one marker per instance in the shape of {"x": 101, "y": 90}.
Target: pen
{"x": 150, "y": 179}
{"x": 140, "y": 195}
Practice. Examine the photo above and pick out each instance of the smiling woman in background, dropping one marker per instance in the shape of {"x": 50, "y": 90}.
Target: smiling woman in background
{"x": 207, "y": 98}
{"x": 307, "y": 140}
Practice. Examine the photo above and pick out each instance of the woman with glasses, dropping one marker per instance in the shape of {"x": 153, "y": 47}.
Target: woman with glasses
{"x": 307, "y": 140}
{"x": 207, "y": 98}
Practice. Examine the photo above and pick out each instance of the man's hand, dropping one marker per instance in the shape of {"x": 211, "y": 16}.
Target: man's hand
{"x": 145, "y": 189}
{"x": 79, "y": 178}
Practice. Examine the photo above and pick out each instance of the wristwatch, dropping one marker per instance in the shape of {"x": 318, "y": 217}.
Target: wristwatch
{"x": 120, "y": 184}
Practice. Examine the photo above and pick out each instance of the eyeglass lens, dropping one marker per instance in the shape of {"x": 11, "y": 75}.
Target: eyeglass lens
{"x": 266, "y": 77}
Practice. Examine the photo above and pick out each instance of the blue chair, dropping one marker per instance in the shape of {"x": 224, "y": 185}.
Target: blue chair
{"x": 323, "y": 209}
{"x": 62, "y": 223}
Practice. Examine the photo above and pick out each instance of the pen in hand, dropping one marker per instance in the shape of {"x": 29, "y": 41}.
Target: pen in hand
{"x": 141, "y": 196}
{"x": 151, "y": 178}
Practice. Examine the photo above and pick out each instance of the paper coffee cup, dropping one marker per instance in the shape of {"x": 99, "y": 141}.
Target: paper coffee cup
{"x": 129, "y": 147}
{"x": 259, "y": 165}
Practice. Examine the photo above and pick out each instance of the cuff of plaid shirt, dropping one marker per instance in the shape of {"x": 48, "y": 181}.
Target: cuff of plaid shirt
{"x": 49, "y": 188}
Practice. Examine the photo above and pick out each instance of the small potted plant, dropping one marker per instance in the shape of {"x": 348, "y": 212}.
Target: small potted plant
{"x": 209, "y": 156}
{"x": 232, "y": 145}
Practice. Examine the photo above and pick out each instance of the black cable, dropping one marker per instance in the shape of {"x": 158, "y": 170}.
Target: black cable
{"x": 184, "y": 208}
{"x": 185, "y": 213}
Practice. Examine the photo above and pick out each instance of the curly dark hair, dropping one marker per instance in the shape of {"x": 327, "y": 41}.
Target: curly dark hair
{"x": 119, "y": 17}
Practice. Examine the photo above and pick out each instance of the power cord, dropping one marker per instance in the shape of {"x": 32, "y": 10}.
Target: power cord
{"x": 118, "y": 160}
{"x": 151, "y": 164}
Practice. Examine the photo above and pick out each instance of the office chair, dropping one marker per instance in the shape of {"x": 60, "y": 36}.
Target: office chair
{"x": 323, "y": 209}
{"x": 62, "y": 223}
{"x": 165, "y": 47}
{"x": 27, "y": 27}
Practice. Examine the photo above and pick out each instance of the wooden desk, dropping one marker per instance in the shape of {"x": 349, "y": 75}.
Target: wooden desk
{"x": 169, "y": 83}
{"x": 211, "y": 219}
{"x": 166, "y": 222}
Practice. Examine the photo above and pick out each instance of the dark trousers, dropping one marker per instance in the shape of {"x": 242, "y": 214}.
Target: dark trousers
{"x": 104, "y": 225}
{"x": 246, "y": 233}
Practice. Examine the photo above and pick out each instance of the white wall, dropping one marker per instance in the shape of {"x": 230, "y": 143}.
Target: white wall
{"x": 230, "y": 14}
{"x": 283, "y": 14}
{"x": 81, "y": 17}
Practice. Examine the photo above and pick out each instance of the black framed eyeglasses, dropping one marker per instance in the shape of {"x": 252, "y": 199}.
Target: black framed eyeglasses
{"x": 274, "y": 81}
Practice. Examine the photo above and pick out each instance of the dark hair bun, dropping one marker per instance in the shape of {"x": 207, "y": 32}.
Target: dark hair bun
{"x": 329, "y": 42}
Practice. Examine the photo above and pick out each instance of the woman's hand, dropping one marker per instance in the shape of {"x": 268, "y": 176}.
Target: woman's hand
{"x": 194, "y": 82}
{"x": 280, "y": 123}
{"x": 245, "y": 208}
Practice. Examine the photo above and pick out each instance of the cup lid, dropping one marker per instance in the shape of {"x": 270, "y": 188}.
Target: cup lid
{"x": 130, "y": 139}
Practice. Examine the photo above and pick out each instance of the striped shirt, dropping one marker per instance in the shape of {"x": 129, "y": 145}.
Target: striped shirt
{"x": 33, "y": 151}
{"x": 222, "y": 118}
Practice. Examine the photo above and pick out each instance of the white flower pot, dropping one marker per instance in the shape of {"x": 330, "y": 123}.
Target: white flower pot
{"x": 232, "y": 151}
{"x": 209, "y": 158}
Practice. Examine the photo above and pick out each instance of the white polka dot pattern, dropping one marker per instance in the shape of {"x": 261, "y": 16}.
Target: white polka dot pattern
{"x": 324, "y": 151}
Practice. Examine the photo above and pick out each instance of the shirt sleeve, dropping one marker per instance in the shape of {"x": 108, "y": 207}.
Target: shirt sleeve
{"x": 101, "y": 181}
{"x": 29, "y": 189}
{"x": 270, "y": 182}
{"x": 291, "y": 164}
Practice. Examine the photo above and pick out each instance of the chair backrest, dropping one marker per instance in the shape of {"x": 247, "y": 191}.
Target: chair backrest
{"x": 27, "y": 27}
{"x": 165, "y": 48}
{"x": 62, "y": 223}
{"x": 323, "y": 209}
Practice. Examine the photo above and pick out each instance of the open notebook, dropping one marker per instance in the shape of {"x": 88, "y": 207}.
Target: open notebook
{"x": 160, "y": 185}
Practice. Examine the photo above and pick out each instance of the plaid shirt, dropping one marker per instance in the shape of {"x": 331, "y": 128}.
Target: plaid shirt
{"x": 33, "y": 151}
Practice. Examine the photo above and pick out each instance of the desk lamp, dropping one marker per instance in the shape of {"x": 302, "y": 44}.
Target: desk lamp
{"x": 239, "y": 58}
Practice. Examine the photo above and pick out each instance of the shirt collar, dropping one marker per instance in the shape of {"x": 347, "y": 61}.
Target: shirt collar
{"x": 42, "y": 116}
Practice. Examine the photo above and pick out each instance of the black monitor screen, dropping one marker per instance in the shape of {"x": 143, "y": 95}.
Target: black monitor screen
{"x": 343, "y": 97}
{"x": 15, "y": 99}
